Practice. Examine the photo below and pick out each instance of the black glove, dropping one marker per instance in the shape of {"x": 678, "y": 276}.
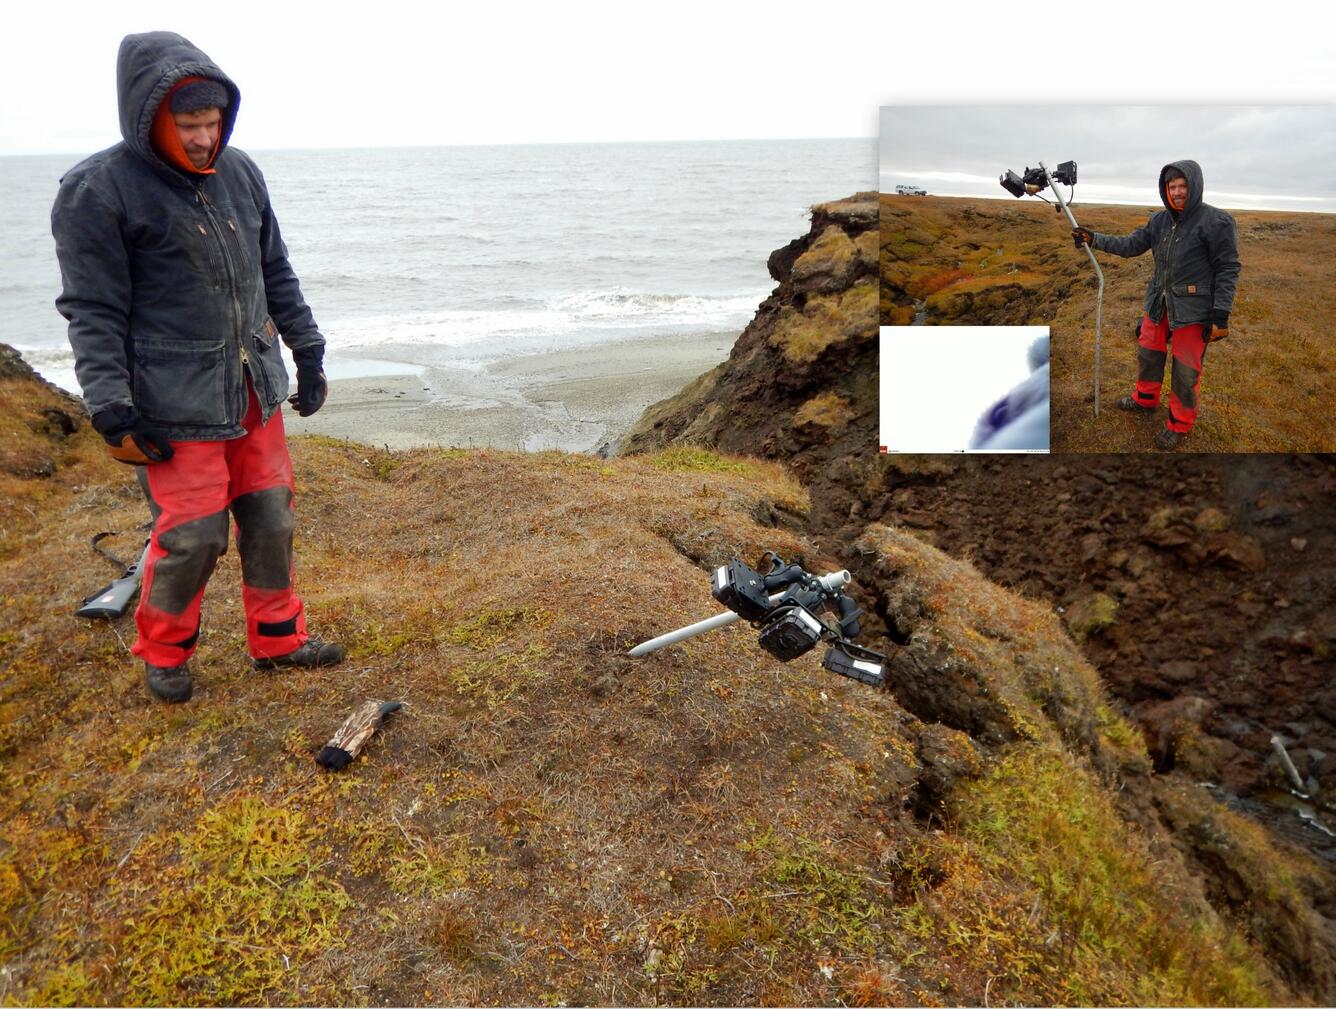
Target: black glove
{"x": 129, "y": 439}
{"x": 1217, "y": 328}
{"x": 311, "y": 385}
{"x": 1083, "y": 236}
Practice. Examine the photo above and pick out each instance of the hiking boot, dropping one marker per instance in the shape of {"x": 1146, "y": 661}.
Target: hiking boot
{"x": 314, "y": 653}
{"x": 169, "y": 683}
{"x": 1167, "y": 439}
{"x": 1132, "y": 406}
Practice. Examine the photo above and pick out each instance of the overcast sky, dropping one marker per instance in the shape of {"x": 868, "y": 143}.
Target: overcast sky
{"x": 928, "y": 402}
{"x": 1263, "y": 157}
{"x": 395, "y": 73}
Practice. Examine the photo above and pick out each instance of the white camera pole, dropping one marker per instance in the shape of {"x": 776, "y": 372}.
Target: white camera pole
{"x": 1099, "y": 299}
{"x": 832, "y": 582}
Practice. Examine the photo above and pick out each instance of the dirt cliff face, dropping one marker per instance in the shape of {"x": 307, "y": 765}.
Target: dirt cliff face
{"x": 41, "y": 418}
{"x": 1198, "y": 586}
{"x": 801, "y": 382}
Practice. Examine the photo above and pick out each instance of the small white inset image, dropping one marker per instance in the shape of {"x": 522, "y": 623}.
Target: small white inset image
{"x": 964, "y": 389}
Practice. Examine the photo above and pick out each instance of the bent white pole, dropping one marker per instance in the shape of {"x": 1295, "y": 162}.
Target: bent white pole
{"x": 832, "y": 582}
{"x": 1099, "y": 298}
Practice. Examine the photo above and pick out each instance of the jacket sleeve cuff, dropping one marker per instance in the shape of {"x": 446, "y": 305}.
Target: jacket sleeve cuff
{"x": 309, "y": 358}
{"x": 114, "y": 419}
{"x": 1219, "y": 319}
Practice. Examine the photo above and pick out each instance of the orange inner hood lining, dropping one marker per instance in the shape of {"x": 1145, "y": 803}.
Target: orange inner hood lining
{"x": 167, "y": 142}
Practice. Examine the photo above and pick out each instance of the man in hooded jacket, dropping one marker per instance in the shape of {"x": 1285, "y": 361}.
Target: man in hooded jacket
{"x": 1188, "y": 298}
{"x": 176, "y": 284}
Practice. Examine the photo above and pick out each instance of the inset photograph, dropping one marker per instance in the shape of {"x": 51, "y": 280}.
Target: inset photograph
{"x": 1181, "y": 256}
{"x": 964, "y": 389}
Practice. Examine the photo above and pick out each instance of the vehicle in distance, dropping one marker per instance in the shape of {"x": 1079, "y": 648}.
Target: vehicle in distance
{"x": 910, "y": 191}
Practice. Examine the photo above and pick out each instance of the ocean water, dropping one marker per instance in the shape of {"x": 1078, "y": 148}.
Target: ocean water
{"x": 460, "y": 256}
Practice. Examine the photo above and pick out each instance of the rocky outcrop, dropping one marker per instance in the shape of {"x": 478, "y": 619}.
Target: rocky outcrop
{"x": 1195, "y": 585}
{"x": 801, "y": 382}
{"x": 44, "y": 417}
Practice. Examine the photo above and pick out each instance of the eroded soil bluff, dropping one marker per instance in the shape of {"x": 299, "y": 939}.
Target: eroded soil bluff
{"x": 801, "y": 382}
{"x": 1199, "y": 587}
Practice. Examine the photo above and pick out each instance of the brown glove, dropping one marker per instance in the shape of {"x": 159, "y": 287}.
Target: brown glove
{"x": 129, "y": 439}
{"x": 1082, "y": 236}
{"x": 1217, "y": 329}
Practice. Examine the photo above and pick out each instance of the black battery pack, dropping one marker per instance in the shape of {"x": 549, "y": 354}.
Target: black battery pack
{"x": 740, "y": 589}
{"x": 837, "y": 660}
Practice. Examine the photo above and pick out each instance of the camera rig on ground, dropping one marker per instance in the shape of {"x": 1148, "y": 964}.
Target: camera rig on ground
{"x": 794, "y": 610}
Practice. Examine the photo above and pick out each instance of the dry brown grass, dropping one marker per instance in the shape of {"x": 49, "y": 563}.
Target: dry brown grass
{"x": 546, "y": 820}
{"x": 1264, "y": 389}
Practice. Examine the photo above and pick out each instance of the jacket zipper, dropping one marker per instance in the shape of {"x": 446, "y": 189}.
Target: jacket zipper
{"x": 1169, "y": 272}
{"x": 230, "y": 266}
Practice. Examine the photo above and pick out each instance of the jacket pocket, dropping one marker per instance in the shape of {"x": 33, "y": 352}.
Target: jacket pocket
{"x": 270, "y": 372}
{"x": 180, "y": 383}
{"x": 1192, "y": 302}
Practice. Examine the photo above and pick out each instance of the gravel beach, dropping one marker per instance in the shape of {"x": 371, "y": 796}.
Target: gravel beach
{"x": 573, "y": 400}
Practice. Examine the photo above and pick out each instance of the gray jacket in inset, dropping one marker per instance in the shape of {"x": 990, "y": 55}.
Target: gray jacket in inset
{"x": 173, "y": 284}
{"x": 1196, "y": 256}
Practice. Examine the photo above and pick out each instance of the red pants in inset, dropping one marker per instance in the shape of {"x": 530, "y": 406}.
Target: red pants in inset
{"x": 1189, "y": 350}
{"x": 190, "y": 495}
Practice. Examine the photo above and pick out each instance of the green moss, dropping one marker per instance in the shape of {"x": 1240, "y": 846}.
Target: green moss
{"x": 823, "y": 904}
{"x": 493, "y": 680}
{"x": 1117, "y": 730}
{"x": 687, "y": 459}
{"x": 415, "y": 866}
{"x": 236, "y": 917}
{"x": 67, "y": 985}
{"x": 1092, "y": 614}
{"x": 1117, "y": 935}
{"x": 491, "y": 627}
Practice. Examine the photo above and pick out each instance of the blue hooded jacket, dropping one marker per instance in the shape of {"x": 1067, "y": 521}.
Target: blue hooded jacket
{"x": 175, "y": 284}
{"x": 1196, "y": 255}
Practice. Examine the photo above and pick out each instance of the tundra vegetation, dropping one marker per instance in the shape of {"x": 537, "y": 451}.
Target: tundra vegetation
{"x": 956, "y": 261}
{"x": 547, "y": 821}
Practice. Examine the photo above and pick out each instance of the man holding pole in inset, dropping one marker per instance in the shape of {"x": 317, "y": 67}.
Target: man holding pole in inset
{"x": 1188, "y": 298}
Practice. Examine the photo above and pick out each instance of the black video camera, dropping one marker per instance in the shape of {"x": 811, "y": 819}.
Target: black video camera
{"x": 790, "y": 621}
{"x": 1034, "y": 181}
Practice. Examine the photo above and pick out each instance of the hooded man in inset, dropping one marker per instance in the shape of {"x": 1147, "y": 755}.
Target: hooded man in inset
{"x": 1188, "y": 298}
{"x": 176, "y": 285}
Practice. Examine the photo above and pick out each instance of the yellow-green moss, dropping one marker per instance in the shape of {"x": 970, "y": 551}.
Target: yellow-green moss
{"x": 688, "y": 459}
{"x": 1094, "y": 894}
{"x": 1091, "y": 614}
{"x": 493, "y": 680}
{"x": 832, "y": 255}
{"x": 490, "y": 627}
{"x": 233, "y": 921}
{"x": 828, "y": 409}
{"x": 824, "y": 321}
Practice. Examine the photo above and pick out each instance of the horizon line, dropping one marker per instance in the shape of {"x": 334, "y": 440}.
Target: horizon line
{"x": 1116, "y": 203}
{"x": 499, "y": 143}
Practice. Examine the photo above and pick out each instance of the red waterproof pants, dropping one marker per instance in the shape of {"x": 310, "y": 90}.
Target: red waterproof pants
{"x": 1189, "y": 350}
{"x": 190, "y": 496}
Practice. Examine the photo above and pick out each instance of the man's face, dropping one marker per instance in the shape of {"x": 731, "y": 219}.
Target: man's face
{"x": 1178, "y": 193}
{"x": 199, "y": 133}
